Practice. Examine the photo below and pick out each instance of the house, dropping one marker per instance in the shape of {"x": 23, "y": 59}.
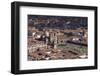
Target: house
{"x": 75, "y": 39}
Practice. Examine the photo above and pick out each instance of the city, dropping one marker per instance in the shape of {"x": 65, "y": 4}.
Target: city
{"x": 57, "y": 37}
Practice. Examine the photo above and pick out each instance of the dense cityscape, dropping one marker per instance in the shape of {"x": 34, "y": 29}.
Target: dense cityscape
{"x": 57, "y": 37}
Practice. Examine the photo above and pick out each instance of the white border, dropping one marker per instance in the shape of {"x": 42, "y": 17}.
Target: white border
{"x": 26, "y": 65}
